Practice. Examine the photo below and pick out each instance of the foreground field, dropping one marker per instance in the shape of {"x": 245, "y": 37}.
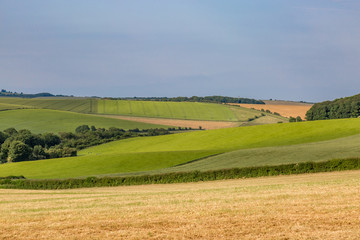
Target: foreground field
{"x": 154, "y": 153}
{"x": 311, "y": 206}
{"x": 45, "y": 120}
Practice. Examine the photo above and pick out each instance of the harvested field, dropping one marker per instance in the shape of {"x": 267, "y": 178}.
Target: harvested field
{"x": 283, "y": 109}
{"x": 311, "y": 206}
{"x": 178, "y": 122}
{"x": 284, "y": 102}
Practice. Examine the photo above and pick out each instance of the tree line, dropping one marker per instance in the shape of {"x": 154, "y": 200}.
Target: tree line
{"x": 348, "y": 107}
{"x": 23, "y": 145}
{"x": 208, "y": 99}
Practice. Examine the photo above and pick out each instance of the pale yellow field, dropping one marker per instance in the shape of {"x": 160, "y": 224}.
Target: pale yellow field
{"x": 313, "y": 206}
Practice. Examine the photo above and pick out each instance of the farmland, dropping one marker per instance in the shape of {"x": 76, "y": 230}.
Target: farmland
{"x": 311, "y": 206}
{"x": 286, "y": 109}
{"x": 80, "y": 105}
{"x": 181, "y": 114}
{"x": 4, "y": 106}
{"x": 177, "y": 110}
{"x": 155, "y": 153}
{"x": 182, "y": 123}
{"x": 45, "y": 120}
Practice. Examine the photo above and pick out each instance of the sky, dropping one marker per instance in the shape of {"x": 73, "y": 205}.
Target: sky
{"x": 301, "y": 50}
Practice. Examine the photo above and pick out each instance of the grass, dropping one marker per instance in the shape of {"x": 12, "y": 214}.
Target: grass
{"x": 309, "y": 152}
{"x": 182, "y": 148}
{"x": 4, "y": 106}
{"x": 94, "y": 164}
{"x": 177, "y": 110}
{"x": 44, "y": 120}
{"x": 238, "y": 138}
{"x": 80, "y": 105}
{"x": 155, "y": 109}
{"x": 311, "y": 206}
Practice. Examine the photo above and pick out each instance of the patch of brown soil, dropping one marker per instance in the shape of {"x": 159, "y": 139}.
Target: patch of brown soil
{"x": 177, "y": 122}
{"x": 282, "y": 109}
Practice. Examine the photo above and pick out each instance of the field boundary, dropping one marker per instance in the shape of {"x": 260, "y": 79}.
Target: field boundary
{"x": 183, "y": 177}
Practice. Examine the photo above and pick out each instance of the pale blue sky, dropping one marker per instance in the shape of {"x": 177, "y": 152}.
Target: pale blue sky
{"x": 282, "y": 49}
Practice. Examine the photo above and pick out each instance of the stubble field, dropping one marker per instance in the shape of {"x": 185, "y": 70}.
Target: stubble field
{"x": 311, "y": 206}
{"x": 286, "y": 110}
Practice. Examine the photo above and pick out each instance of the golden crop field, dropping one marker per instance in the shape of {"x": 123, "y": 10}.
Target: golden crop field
{"x": 310, "y": 206}
{"x": 286, "y": 110}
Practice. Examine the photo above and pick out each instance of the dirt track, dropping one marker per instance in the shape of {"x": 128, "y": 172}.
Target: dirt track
{"x": 178, "y": 122}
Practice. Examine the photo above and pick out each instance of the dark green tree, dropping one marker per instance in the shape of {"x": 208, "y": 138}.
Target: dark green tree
{"x": 39, "y": 153}
{"x": 50, "y": 139}
{"x": 82, "y": 129}
{"x": 10, "y": 131}
{"x": 19, "y": 151}
{"x": 292, "y": 119}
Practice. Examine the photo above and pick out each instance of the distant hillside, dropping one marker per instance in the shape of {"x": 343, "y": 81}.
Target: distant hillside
{"x": 208, "y": 99}
{"x": 348, "y": 107}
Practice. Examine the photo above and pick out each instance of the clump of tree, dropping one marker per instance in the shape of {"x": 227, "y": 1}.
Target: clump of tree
{"x": 6, "y": 93}
{"x": 297, "y": 119}
{"x": 209, "y": 99}
{"x": 23, "y": 145}
{"x": 348, "y": 107}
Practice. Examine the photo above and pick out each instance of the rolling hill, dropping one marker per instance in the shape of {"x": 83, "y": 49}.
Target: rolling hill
{"x": 154, "y": 153}
{"x": 150, "y": 109}
{"x": 46, "y": 120}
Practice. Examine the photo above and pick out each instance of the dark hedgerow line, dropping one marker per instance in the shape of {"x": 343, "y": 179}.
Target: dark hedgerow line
{"x": 182, "y": 177}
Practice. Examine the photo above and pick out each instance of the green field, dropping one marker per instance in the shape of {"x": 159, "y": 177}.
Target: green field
{"x": 339, "y": 148}
{"x": 80, "y": 105}
{"x": 172, "y": 110}
{"x": 45, "y": 120}
{"x": 4, "y": 106}
{"x": 258, "y": 143}
{"x": 177, "y": 110}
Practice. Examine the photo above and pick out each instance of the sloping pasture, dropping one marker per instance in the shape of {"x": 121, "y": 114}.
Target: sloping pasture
{"x": 185, "y": 147}
{"x": 46, "y": 120}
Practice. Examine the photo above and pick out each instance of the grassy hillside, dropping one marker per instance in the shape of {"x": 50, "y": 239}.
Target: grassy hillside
{"x": 178, "y": 110}
{"x": 80, "y": 105}
{"x": 96, "y": 164}
{"x": 239, "y": 138}
{"x": 4, "y": 106}
{"x": 44, "y": 120}
{"x": 172, "y": 110}
{"x": 151, "y": 153}
{"x": 315, "y": 152}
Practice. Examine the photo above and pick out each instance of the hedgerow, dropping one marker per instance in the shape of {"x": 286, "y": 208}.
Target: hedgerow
{"x": 182, "y": 177}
